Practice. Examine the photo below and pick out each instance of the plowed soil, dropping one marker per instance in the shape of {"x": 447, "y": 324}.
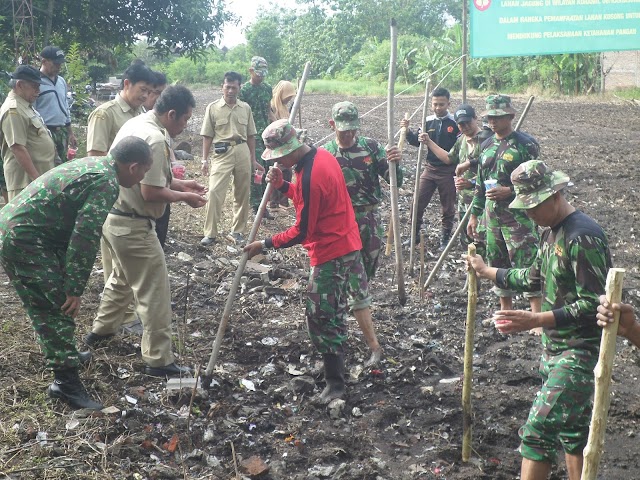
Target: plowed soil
{"x": 402, "y": 420}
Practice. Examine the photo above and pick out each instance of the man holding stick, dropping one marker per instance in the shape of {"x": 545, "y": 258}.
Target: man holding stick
{"x": 443, "y": 131}
{"x": 511, "y": 236}
{"x": 327, "y": 229}
{"x": 570, "y": 269}
{"x": 363, "y": 161}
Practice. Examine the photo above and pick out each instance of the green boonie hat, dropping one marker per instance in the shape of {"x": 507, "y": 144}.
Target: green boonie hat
{"x": 280, "y": 139}
{"x": 345, "y": 115}
{"x": 498, "y": 106}
{"x": 534, "y": 182}
{"x": 259, "y": 66}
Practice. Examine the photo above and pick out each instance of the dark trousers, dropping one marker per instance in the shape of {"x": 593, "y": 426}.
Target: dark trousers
{"x": 162, "y": 225}
{"x": 440, "y": 178}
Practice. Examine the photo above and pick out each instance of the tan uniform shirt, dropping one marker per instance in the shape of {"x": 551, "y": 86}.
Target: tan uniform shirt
{"x": 147, "y": 127}
{"x": 21, "y": 124}
{"x": 105, "y": 122}
{"x": 225, "y": 123}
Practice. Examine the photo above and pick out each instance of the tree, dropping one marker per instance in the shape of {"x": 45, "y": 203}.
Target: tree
{"x": 263, "y": 39}
{"x": 183, "y": 26}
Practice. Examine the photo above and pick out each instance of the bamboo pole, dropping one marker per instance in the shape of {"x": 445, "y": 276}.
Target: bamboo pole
{"x": 602, "y": 372}
{"x": 467, "y": 411}
{"x": 393, "y": 180}
{"x": 401, "y": 143}
{"x": 455, "y": 234}
{"x": 465, "y": 49}
{"x": 447, "y": 249}
{"x": 416, "y": 189}
{"x": 252, "y": 235}
{"x": 403, "y": 135}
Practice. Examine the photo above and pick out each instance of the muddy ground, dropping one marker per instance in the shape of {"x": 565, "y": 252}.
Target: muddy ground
{"x": 401, "y": 421}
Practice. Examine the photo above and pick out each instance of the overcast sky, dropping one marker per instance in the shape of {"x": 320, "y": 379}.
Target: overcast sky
{"x": 247, "y": 11}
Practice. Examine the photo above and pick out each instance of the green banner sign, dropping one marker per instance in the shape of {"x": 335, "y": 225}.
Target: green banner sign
{"x": 504, "y": 28}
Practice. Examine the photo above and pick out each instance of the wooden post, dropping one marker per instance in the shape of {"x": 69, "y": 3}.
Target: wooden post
{"x": 602, "y": 372}
{"x": 421, "y": 276}
{"x": 465, "y": 49}
{"x": 467, "y": 411}
{"x": 393, "y": 181}
{"x": 252, "y": 235}
{"x": 416, "y": 189}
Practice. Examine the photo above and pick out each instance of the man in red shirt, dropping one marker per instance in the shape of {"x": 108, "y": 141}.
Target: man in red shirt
{"x": 326, "y": 227}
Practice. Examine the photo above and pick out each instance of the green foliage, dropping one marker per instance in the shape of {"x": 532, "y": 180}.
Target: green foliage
{"x": 263, "y": 39}
{"x": 77, "y": 73}
{"x": 209, "y": 70}
{"x": 359, "y": 88}
{"x": 631, "y": 93}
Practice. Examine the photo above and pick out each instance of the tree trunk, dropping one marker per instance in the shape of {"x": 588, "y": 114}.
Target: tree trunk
{"x": 49, "y": 22}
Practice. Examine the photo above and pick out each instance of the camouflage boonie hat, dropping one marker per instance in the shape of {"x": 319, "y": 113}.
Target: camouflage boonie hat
{"x": 534, "y": 182}
{"x": 259, "y": 66}
{"x": 498, "y": 106}
{"x": 280, "y": 139}
{"x": 345, "y": 116}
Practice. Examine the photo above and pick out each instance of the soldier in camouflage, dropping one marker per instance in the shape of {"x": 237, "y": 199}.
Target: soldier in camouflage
{"x": 363, "y": 162}
{"x": 467, "y": 146}
{"x": 49, "y": 237}
{"x": 570, "y": 269}
{"x": 258, "y": 94}
{"x": 511, "y": 236}
{"x": 327, "y": 229}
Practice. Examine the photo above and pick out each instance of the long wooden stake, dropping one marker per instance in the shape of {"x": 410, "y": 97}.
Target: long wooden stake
{"x": 447, "y": 249}
{"x": 252, "y": 235}
{"x": 457, "y": 231}
{"x": 401, "y": 142}
{"x": 601, "y": 400}
{"x": 421, "y": 276}
{"x": 467, "y": 411}
{"x": 393, "y": 180}
{"x": 416, "y": 189}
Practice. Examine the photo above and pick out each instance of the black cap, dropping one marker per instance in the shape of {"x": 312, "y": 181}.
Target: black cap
{"x": 27, "y": 72}
{"x": 53, "y": 53}
{"x": 464, "y": 113}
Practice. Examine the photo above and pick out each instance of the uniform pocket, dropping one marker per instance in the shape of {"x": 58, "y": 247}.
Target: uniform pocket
{"x": 118, "y": 231}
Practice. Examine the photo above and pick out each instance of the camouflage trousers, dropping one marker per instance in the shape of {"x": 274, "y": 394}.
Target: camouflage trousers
{"x": 562, "y": 408}
{"x": 371, "y": 233}
{"x": 333, "y": 287}
{"x": 39, "y": 282}
{"x": 60, "y": 137}
{"x": 257, "y": 189}
{"x": 511, "y": 242}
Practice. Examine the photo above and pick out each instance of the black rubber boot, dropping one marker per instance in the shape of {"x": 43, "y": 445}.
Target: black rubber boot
{"x": 68, "y": 387}
{"x": 445, "y": 236}
{"x": 334, "y": 377}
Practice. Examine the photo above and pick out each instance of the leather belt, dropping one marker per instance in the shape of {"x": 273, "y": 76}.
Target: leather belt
{"x": 115, "y": 211}
{"x": 53, "y": 129}
{"x": 231, "y": 144}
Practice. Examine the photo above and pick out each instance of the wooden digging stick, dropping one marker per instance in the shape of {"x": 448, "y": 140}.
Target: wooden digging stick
{"x": 393, "y": 180}
{"x": 602, "y": 372}
{"x": 416, "y": 189}
{"x": 467, "y": 410}
{"x": 421, "y": 276}
{"x": 252, "y": 235}
{"x": 401, "y": 143}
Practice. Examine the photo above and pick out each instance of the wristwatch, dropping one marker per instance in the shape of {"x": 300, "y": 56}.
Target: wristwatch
{"x": 263, "y": 244}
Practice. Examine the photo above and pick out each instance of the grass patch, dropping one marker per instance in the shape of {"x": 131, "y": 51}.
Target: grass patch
{"x": 358, "y": 89}
{"x": 628, "y": 92}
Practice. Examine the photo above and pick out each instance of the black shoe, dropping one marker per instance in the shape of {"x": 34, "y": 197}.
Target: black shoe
{"x": 85, "y": 357}
{"x": 267, "y": 215}
{"x": 171, "y": 370}
{"x": 68, "y": 387}
{"x": 94, "y": 340}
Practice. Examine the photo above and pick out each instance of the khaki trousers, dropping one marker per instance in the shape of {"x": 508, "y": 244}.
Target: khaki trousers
{"x": 107, "y": 268}
{"x": 11, "y": 194}
{"x": 236, "y": 162}
{"x": 140, "y": 274}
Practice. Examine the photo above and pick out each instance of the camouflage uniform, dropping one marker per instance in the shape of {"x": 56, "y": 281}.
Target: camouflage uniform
{"x": 49, "y": 237}
{"x": 332, "y": 286}
{"x": 570, "y": 268}
{"x": 511, "y": 236}
{"x": 362, "y": 165}
{"x": 259, "y": 99}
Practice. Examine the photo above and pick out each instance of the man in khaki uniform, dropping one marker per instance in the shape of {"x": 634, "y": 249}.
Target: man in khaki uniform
{"x": 229, "y": 126}
{"x": 106, "y": 120}
{"x": 26, "y": 145}
{"x": 139, "y": 269}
